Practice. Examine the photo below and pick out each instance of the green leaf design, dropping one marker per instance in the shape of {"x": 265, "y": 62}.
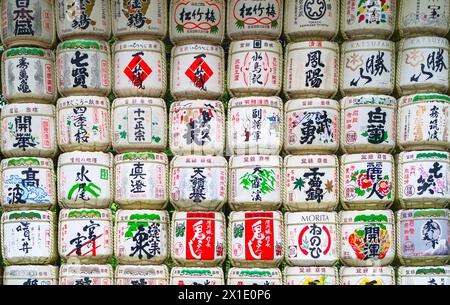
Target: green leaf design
{"x": 214, "y": 30}
{"x": 179, "y": 230}
{"x": 274, "y": 24}
{"x": 266, "y": 177}
{"x": 240, "y": 24}
{"x": 365, "y": 134}
{"x": 359, "y": 191}
{"x": 238, "y": 231}
{"x": 385, "y": 136}
{"x": 386, "y": 177}
{"x": 123, "y": 134}
{"x": 298, "y": 184}
{"x": 180, "y": 28}
{"x": 156, "y": 139}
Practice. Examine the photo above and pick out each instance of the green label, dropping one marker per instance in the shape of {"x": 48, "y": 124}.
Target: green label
{"x": 104, "y": 173}
{"x": 432, "y": 155}
{"x": 23, "y": 161}
{"x": 133, "y": 225}
{"x": 28, "y": 215}
{"x": 84, "y": 213}
{"x": 80, "y": 43}
{"x": 25, "y": 51}
{"x": 427, "y": 97}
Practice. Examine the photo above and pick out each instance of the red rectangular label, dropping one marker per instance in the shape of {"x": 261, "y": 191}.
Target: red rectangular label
{"x": 259, "y": 243}
{"x": 200, "y": 236}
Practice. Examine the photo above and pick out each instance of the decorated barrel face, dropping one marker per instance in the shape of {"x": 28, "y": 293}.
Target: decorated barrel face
{"x": 255, "y": 239}
{"x": 141, "y": 275}
{"x": 311, "y": 69}
{"x": 422, "y": 65}
{"x": 85, "y": 180}
{"x": 311, "y": 276}
{"x": 367, "y": 276}
{"x": 28, "y": 237}
{"x": 141, "y": 180}
{"x": 255, "y": 125}
{"x": 28, "y": 275}
{"x": 141, "y": 237}
{"x": 28, "y": 183}
{"x": 28, "y": 74}
{"x": 311, "y": 238}
{"x": 28, "y": 130}
{"x": 198, "y": 183}
{"x": 85, "y": 275}
{"x": 85, "y": 236}
{"x": 424, "y": 275}
{"x": 255, "y": 182}
{"x": 197, "y": 127}
{"x": 255, "y": 68}
{"x": 196, "y": 276}
{"x": 312, "y": 126}
{"x": 367, "y": 181}
{"x": 368, "y": 124}
{"x": 423, "y": 179}
{"x": 423, "y": 237}
{"x": 367, "y": 67}
{"x": 254, "y": 276}
{"x": 83, "y": 68}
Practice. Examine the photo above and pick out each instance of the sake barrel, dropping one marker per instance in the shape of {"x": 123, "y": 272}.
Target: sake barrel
{"x": 141, "y": 180}
{"x": 367, "y": 19}
{"x": 311, "y": 69}
{"x": 80, "y": 18}
{"x": 368, "y": 124}
{"x": 139, "y": 68}
{"x": 194, "y": 21}
{"x": 311, "y": 276}
{"x": 312, "y": 126}
{"x": 423, "y": 275}
{"x": 255, "y": 125}
{"x": 85, "y": 236}
{"x": 31, "y": 275}
{"x": 28, "y": 237}
{"x": 28, "y": 130}
{"x": 141, "y": 275}
{"x": 367, "y": 181}
{"x": 28, "y": 23}
{"x": 85, "y": 180}
{"x": 311, "y": 238}
{"x": 423, "y": 122}
{"x": 197, "y": 72}
{"x": 198, "y": 239}
{"x": 423, "y": 179}
{"x": 254, "y": 276}
{"x": 305, "y": 20}
{"x": 198, "y": 183}
{"x": 367, "y": 67}
{"x": 255, "y": 239}
{"x": 84, "y": 68}
{"x": 141, "y": 236}
{"x": 422, "y": 65}
{"x": 423, "y": 237}
{"x": 28, "y": 74}
{"x": 28, "y": 183}
{"x": 255, "y": 182}
{"x": 367, "y": 276}
{"x": 197, "y": 127}
{"x": 255, "y": 68}
{"x": 196, "y": 276}
{"x": 141, "y": 19}
{"x": 83, "y": 123}
{"x": 247, "y": 19}
{"x": 85, "y": 275}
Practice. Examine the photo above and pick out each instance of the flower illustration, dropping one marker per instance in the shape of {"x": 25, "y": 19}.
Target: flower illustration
{"x": 363, "y": 181}
{"x": 383, "y": 187}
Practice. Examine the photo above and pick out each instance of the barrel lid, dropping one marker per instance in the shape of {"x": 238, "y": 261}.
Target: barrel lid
{"x": 28, "y": 51}
{"x": 85, "y": 157}
{"x": 27, "y": 162}
{"x": 255, "y": 161}
{"x": 304, "y": 271}
{"x": 197, "y": 271}
{"x": 366, "y": 216}
{"x": 254, "y": 272}
{"x": 424, "y": 271}
{"x": 368, "y": 100}
{"x": 131, "y": 271}
{"x": 369, "y": 271}
{"x": 88, "y": 101}
{"x": 89, "y": 270}
{"x": 321, "y": 44}
{"x": 198, "y": 48}
{"x": 28, "y": 108}
{"x": 31, "y": 270}
{"x": 422, "y": 213}
{"x": 272, "y": 101}
{"x": 307, "y": 161}
{"x": 96, "y": 45}
{"x": 307, "y": 103}
{"x": 196, "y": 104}
{"x": 198, "y": 161}
{"x": 142, "y": 215}
{"x": 141, "y": 156}
{"x": 138, "y": 44}
{"x": 367, "y": 157}
{"x": 141, "y": 101}
{"x": 423, "y": 98}
{"x": 257, "y": 44}
{"x": 422, "y": 156}
{"x": 103, "y": 214}
{"x": 27, "y": 215}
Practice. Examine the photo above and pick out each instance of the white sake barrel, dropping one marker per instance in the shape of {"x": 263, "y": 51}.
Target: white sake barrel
{"x": 255, "y": 68}
{"x": 80, "y": 18}
{"x": 422, "y": 65}
{"x": 423, "y": 275}
{"x": 28, "y": 23}
{"x": 367, "y": 67}
{"x": 28, "y": 237}
{"x": 367, "y": 276}
{"x": 367, "y": 181}
{"x": 198, "y": 183}
{"x": 139, "y": 68}
{"x": 367, "y": 238}
{"x": 141, "y": 180}
{"x": 196, "y": 21}
{"x": 368, "y": 124}
{"x": 423, "y": 237}
{"x": 85, "y": 236}
{"x": 196, "y": 276}
{"x": 197, "y": 72}
{"x": 255, "y": 182}
{"x": 254, "y": 276}
{"x": 247, "y": 19}
{"x": 197, "y": 127}
{"x": 139, "y": 124}
{"x": 83, "y": 68}
{"x": 85, "y": 180}
{"x": 424, "y": 122}
{"x": 83, "y": 123}
{"x": 137, "y": 20}
{"x": 31, "y": 275}
{"x": 28, "y": 74}
{"x": 27, "y": 183}
{"x": 311, "y": 276}
{"x": 367, "y": 19}
{"x": 311, "y": 238}
{"x": 255, "y": 125}
{"x": 423, "y": 179}
{"x": 198, "y": 239}
{"x": 312, "y": 126}
{"x": 141, "y": 237}
{"x": 85, "y": 275}
{"x": 255, "y": 239}
{"x": 28, "y": 130}
{"x": 141, "y": 275}
{"x": 306, "y": 20}
{"x": 311, "y": 69}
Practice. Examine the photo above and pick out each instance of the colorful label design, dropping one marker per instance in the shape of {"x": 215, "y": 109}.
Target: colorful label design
{"x": 136, "y": 12}
{"x": 259, "y": 181}
{"x": 251, "y": 14}
{"x": 372, "y": 11}
{"x": 87, "y": 16}
{"x": 197, "y": 17}
{"x": 312, "y": 127}
{"x": 148, "y": 16}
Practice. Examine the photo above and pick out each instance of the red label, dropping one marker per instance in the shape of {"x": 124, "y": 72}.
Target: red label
{"x": 200, "y": 236}
{"x": 259, "y": 237}
{"x": 105, "y": 82}
{"x": 137, "y": 70}
{"x": 199, "y": 71}
{"x": 201, "y": 15}
{"x": 45, "y": 126}
{"x": 49, "y": 79}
